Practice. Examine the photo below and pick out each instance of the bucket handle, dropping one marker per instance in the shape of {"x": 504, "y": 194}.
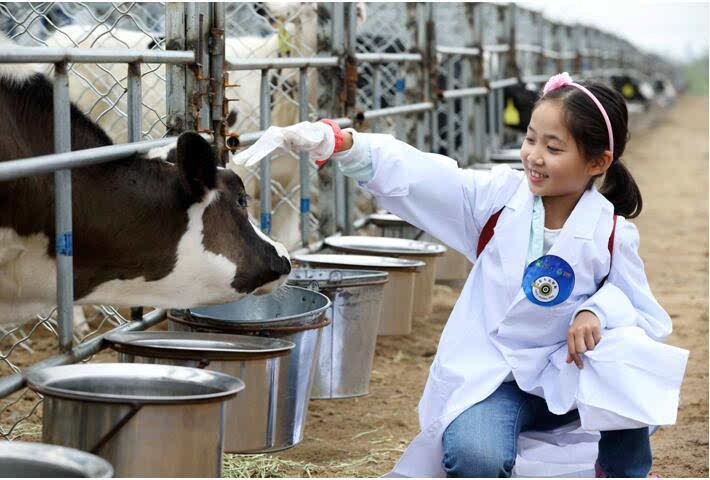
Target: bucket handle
{"x": 135, "y": 407}
{"x": 335, "y": 278}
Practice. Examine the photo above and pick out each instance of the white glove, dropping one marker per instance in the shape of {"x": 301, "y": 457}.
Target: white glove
{"x": 316, "y": 138}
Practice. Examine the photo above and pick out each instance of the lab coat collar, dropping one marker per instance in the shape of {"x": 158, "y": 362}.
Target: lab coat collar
{"x": 513, "y": 233}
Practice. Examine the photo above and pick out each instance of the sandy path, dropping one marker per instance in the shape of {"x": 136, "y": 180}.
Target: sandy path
{"x": 670, "y": 164}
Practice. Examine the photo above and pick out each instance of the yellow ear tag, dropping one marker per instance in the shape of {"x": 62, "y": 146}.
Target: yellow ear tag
{"x": 628, "y": 90}
{"x": 511, "y": 116}
{"x": 284, "y": 41}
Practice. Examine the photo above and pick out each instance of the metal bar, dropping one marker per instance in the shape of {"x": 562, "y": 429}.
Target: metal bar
{"x": 502, "y": 83}
{"x": 479, "y": 130}
{"x": 175, "y": 75}
{"x": 463, "y": 51}
{"x": 466, "y": 112}
{"x": 237, "y": 64}
{"x": 135, "y": 105}
{"x": 465, "y": 92}
{"x": 13, "y": 169}
{"x": 265, "y": 165}
{"x": 218, "y": 80}
{"x": 400, "y": 110}
{"x": 535, "y": 78}
{"x": 388, "y": 57}
{"x": 63, "y": 209}
{"x": 204, "y": 21}
{"x": 13, "y": 383}
{"x": 450, "y": 111}
{"x": 502, "y": 48}
{"x": 528, "y": 47}
{"x": 304, "y": 163}
{"x": 349, "y": 183}
{"x": 430, "y": 72}
{"x": 93, "y": 55}
{"x": 377, "y": 94}
{"x": 192, "y": 84}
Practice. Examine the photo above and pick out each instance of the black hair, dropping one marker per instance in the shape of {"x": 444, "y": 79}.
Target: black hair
{"x": 588, "y": 128}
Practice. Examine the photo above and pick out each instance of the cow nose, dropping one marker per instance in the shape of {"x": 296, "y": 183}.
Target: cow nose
{"x": 281, "y": 265}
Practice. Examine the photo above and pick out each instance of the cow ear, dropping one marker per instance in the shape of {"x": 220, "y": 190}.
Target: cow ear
{"x": 196, "y": 163}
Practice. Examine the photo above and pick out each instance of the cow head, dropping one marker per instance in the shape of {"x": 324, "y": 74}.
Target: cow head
{"x": 260, "y": 265}
{"x": 193, "y": 240}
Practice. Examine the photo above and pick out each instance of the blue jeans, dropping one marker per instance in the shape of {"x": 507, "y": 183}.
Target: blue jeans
{"x": 483, "y": 440}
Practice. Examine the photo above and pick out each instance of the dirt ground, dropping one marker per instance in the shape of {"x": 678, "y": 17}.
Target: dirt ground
{"x": 363, "y": 437}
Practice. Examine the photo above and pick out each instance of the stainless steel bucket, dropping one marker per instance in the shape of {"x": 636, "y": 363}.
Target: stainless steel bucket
{"x": 262, "y": 363}
{"x": 396, "y": 317}
{"x": 348, "y": 344}
{"x": 452, "y": 266}
{"x": 392, "y": 226}
{"x": 33, "y": 460}
{"x": 151, "y": 421}
{"x": 402, "y": 248}
{"x": 290, "y": 313}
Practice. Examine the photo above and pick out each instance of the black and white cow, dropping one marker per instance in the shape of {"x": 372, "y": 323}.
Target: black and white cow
{"x": 633, "y": 90}
{"x": 165, "y": 229}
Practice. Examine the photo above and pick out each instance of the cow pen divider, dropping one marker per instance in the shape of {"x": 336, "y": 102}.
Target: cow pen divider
{"x": 61, "y": 163}
{"x": 504, "y": 45}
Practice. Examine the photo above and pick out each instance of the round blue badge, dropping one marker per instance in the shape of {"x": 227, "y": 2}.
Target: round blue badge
{"x": 548, "y": 281}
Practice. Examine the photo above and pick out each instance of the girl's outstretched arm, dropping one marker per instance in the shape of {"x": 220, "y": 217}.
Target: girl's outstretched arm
{"x": 626, "y": 299}
{"x": 428, "y": 190}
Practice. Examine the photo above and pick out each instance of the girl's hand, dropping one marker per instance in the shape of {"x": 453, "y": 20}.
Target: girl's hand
{"x": 583, "y": 335}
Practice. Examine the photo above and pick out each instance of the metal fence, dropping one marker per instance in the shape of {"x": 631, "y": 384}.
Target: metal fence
{"x": 431, "y": 74}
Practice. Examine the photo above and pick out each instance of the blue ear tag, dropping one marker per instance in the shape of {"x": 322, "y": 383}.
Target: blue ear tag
{"x": 548, "y": 281}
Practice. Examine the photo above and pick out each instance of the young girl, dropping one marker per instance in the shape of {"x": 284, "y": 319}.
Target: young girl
{"x": 556, "y": 324}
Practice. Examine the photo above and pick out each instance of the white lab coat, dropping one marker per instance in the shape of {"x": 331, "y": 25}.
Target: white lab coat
{"x": 630, "y": 380}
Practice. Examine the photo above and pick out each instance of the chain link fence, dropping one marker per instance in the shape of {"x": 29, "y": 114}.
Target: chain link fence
{"x": 99, "y": 90}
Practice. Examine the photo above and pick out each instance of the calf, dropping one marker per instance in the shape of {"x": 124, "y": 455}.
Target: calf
{"x": 165, "y": 229}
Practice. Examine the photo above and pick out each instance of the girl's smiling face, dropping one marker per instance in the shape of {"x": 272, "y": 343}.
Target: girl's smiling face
{"x": 552, "y": 161}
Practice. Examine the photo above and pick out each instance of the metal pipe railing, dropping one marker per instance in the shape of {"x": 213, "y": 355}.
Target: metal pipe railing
{"x": 388, "y": 57}
{"x": 12, "y": 383}
{"x": 463, "y": 51}
{"x": 465, "y": 92}
{"x": 63, "y": 209}
{"x": 13, "y": 169}
{"x": 283, "y": 62}
{"x": 265, "y": 164}
{"x": 94, "y": 55}
{"x": 304, "y": 164}
{"x": 392, "y": 111}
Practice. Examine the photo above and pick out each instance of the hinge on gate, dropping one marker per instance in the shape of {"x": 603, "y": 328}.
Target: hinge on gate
{"x": 349, "y": 92}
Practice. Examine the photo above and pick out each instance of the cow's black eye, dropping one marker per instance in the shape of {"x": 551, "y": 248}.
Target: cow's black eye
{"x": 244, "y": 200}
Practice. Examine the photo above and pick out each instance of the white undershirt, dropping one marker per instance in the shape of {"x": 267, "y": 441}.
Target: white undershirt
{"x": 548, "y": 239}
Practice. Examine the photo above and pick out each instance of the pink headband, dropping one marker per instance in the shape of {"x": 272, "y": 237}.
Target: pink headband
{"x": 562, "y": 80}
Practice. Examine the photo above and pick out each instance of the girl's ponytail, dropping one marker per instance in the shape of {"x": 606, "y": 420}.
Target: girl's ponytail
{"x": 620, "y": 188}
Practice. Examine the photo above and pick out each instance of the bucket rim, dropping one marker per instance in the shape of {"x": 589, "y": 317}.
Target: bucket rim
{"x": 226, "y": 346}
{"x": 211, "y": 325}
{"x": 87, "y": 463}
{"x": 286, "y": 320}
{"x": 42, "y": 380}
{"x": 358, "y": 261}
{"x": 384, "y": 246}
{"x": 348, "y": 278}
{"x": 389, "y": 220}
